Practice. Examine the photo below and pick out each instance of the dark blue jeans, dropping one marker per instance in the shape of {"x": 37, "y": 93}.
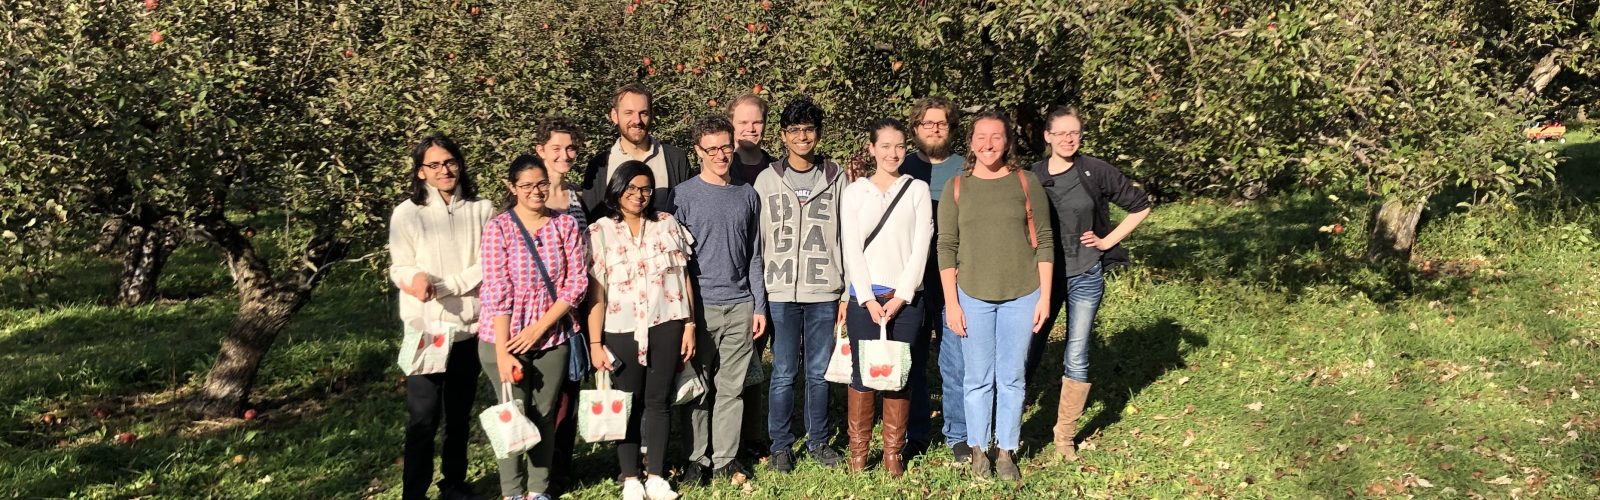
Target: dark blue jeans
{"x": 794, "y": 325}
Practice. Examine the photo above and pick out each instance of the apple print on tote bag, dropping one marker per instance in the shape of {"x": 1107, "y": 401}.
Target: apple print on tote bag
{"x": 510, "y": 432}
{"x": 426, "y": 346}
{"x": 603, "y": 411}
{"x": 885, "y": 364}
{"x": 839, "y": 365}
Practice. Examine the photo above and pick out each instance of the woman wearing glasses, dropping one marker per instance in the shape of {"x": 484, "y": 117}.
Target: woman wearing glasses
{"x": 533, "y": 279}
{"x": 886, "y": 221}
{"x": 642, "y": 304}
{"x": 1081, "y": 189}
{"x": 433, "y": 241}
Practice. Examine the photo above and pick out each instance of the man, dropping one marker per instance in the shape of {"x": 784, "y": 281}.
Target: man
{"x": 722, "y": 213}
{"x": 748, "y": 114}
{"x": 632, "y": 114}
{"x": 804, "y": 280}
{"x": 933, "y": 124}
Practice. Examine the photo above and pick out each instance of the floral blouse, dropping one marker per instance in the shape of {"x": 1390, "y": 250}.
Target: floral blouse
{"x": 643, "y": 275}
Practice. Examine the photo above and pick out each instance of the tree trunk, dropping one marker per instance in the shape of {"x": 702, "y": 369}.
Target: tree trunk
{"x": 1394, "y": 228}
{"x": 229, "y": 383}
{"x": 144, "y": 255}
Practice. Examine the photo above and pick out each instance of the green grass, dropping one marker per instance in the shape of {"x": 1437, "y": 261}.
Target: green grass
{"x": 1247, "y": 355}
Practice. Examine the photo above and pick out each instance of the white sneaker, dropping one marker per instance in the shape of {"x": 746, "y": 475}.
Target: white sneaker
{"x": 632, "y": 490}
{"x": 657, "y": 489}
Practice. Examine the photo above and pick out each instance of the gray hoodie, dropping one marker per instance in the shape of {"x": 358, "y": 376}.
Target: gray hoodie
{"x": 800, "y": 242}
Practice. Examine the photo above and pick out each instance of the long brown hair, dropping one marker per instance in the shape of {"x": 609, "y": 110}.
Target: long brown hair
{"x": 1009, "y": 158}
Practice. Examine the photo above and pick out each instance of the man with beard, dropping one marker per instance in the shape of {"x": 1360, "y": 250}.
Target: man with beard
{"x": 722, "y": 212}
{"x": 631, "y": 112}
{"x": 933, "y": 124}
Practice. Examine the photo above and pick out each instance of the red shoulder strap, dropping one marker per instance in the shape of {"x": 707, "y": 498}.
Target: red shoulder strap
{"x": 1033, "y": 235}
{"x": 956, "y": 196}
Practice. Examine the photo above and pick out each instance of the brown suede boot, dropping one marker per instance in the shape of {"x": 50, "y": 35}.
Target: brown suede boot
{"x": 1073, "y": 395}
{"x": 896, "y": 408}
{"x": 858, "y": 420}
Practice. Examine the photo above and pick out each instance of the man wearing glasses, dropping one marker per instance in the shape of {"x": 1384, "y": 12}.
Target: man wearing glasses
{"x": 933, "y": 122}
{"x": 721, "y": 212}
{"x": 632, "y": 113}
{"x": 804, "y": 276}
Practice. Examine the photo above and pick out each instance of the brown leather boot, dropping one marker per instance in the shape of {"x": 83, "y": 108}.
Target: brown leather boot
{"x": 1073, "y": 395}
{"x": 858, "y": 420}
{"x": 896, "y": 407}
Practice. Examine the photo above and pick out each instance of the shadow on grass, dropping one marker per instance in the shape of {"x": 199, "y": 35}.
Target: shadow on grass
{"x": 1121, "y": 365}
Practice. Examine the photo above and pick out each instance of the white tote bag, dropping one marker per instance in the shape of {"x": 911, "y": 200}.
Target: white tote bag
{"x": 510, "y": 432}
{"x": 426, "y": 346}
{"x": 690, "y": 384}
{"x": 885, "y": 364}
{"x": 603, "y": 411}
{"x": 840, "y": 364}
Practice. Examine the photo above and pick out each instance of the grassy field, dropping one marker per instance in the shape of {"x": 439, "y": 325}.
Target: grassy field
{"x": 1247, "y": 354}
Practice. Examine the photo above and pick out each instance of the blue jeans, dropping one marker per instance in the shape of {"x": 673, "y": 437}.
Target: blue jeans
{"x": 952, "y": 368}
{"x": 1083, "y": 293}
{"x": 996, "y": 352}
{"x": 794, "y": 325}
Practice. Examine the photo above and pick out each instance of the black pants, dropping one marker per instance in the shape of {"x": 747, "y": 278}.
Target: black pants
{"x": 652, "y": 393}
{"x": 566, "y": 436}
{"x": 434, "y": 397}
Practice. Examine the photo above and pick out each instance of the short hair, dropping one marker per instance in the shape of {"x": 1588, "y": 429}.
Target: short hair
{"x": 1062, "y": 111}
{"x": 801, "y": 111}
{"x": 619, "y": 184}
{"x": 709, "y": 125}
{"x": 748, "y": 99}
{"x": 921, "y": 107}
{"x": 557, "y": 125}
{"x": 1010, "y": 157}
{"x": 632, "y": 88}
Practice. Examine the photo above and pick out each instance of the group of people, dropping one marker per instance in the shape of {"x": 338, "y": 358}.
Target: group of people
{"x": 650, "y": 264}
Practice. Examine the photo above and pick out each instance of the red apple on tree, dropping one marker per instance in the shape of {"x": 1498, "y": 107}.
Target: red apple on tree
{"x": 156, "y": 37}
{"x": 250, "y": 414}
{"x": 149, "y": 5}
{"x": 766, "y": 4}
{"x": 127, "y": 438}
{"x": 750, "y": 27}
{"x": 647, "y": 61}
{"x": 1338, "y": 229}
{"x": 897, "y": 65}
{"x": 678, "y": 67}
{"x": 474, "y": 11}
{"x": 756, "y": 89}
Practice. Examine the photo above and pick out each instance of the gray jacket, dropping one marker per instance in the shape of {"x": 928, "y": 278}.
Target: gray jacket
{"x": 800, "y": 242}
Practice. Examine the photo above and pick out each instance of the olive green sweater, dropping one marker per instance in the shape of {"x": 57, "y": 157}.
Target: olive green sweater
{"x": 985, "y": 236}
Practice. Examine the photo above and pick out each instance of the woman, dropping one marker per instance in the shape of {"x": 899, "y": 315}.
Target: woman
{"x": 556, "y": 143}
{"x": 995, "y": 263}
{"x": 641, "y": 301}
{"x": 895, "y": 212}
{"x": 433, "y": 241}
{"x": 533, "y": 266}
{"x": 1080, "y": 189}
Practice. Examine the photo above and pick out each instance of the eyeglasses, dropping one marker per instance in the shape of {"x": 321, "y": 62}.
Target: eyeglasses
{"x": 1064, "y": 135}
{"x": 640, "y": 191}
{"x": 800, "y": 130}
{"x": 542, "y": 186}
{"x": 452, "y": 164}
{"x": 718, "y": 151}
{"x": 932, "y": 125}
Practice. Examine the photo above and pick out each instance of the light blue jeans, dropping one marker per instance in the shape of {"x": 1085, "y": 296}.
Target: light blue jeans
{"x": 1082, "y": 293}
{"x": 995, "y": 352}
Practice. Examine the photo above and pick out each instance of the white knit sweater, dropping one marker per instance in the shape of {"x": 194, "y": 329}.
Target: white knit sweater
{"x": 899, "y": 253}
{"x": 442, "y": 240}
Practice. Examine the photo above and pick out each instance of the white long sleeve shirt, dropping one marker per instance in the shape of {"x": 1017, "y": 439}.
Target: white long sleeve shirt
{"x": 441, "y": 240}
{"x": 899, "y": 254}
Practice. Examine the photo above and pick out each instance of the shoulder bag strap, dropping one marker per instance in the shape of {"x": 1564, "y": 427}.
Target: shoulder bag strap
{"x": 885, "y": 217}
{"x": 1033, "y": 235}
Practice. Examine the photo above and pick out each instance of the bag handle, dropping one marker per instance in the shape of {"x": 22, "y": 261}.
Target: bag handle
{"x": 883, "y": 330}
{"x": 507, "y": 396}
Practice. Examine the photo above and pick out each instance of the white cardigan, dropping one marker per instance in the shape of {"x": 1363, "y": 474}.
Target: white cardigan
{"x": 441, "y": 240}
{"x": 899, "y": 254}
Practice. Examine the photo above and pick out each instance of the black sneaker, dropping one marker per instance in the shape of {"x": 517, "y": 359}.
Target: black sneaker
{"x": 732, "y": 469}
{"x": 962, "y": 452}
{"x": 781, "y": 461}
{"x": 693, "y": 475}
{"x": 827, "y": 457}
{"x": 457, "y": 492}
